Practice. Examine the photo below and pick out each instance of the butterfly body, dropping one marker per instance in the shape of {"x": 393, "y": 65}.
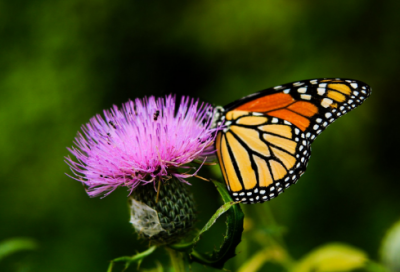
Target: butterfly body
{"x": 265, "y": 143}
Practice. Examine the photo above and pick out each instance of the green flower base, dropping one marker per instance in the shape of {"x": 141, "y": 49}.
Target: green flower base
{"x": 174, "y": 206}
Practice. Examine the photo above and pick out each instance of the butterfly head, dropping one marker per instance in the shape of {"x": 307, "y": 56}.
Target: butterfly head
{"x": 218, "y": 116}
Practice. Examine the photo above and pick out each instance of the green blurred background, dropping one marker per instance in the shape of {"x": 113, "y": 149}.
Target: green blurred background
{"x": 61, "y": 62}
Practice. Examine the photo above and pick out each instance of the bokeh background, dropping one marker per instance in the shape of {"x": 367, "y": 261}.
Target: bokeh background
{"x": 61, "y": 62}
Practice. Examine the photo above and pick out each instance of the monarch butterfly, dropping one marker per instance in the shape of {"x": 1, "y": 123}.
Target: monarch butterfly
{"x": 265, "y": 143}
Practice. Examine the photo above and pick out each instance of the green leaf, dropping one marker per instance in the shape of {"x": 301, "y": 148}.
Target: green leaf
{"x": 158, "y": 268}
{"x": 332, "y": 257}
{"x": 372, "y": 266}
{"x": 232, "y": 237}
{"x": 390, "y": 248}
{"x": 189, "y": 246}
{"x": 233, "y": 234}
{"x": 213, "y": 219}
{"x": 255, "y": 262}
{"x": 13, "y": 245}
{"x": 130, "y": 259}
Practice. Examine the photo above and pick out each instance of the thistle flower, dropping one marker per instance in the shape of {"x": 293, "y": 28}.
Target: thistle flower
{"x": 144, "y": 142}
{"x": 144, "y": 146}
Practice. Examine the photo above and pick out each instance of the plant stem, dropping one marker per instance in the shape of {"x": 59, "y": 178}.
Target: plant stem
{"x": 177, "y": 259}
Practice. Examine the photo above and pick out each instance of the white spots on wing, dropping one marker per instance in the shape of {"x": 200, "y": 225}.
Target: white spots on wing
{"x": 278, "y": 87}
{"x": 314, "y": 81}
{"x": 302, "y": 90}
{"x": 321, "y": 91}
{"x": 326, "y": 102}
{"x": 306, "y": 96}
{"x": 286, "y": 91}
{"x": 319, "y": 120}
{"x": 298, "y": 83}
{"x": 322, "y": 85}
{"x": 274, "y": 120}
{"x": 250, "y": 95}
{"x": 354, "y": 85}
{"x": 258, "y": 114}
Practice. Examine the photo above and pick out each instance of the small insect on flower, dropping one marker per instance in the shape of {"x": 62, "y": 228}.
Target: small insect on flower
{"x": 145, "y": 142}
{"x": 156, "y": 114}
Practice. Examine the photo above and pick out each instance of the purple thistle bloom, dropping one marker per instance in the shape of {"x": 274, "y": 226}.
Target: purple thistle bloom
{"x": 144, "y": 142}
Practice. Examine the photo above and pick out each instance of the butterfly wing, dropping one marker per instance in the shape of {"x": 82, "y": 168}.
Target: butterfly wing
{"x": 265, "y": 146}
{"x": 260, "y": 156}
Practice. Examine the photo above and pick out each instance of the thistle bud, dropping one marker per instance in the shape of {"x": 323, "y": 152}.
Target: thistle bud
{"x": 165, "y": 216}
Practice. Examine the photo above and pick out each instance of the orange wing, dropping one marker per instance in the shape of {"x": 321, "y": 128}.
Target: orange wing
{"x": 265, "y": 145}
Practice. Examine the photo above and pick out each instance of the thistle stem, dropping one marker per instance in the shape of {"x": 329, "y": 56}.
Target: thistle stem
{"x": 177, "y": 259}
